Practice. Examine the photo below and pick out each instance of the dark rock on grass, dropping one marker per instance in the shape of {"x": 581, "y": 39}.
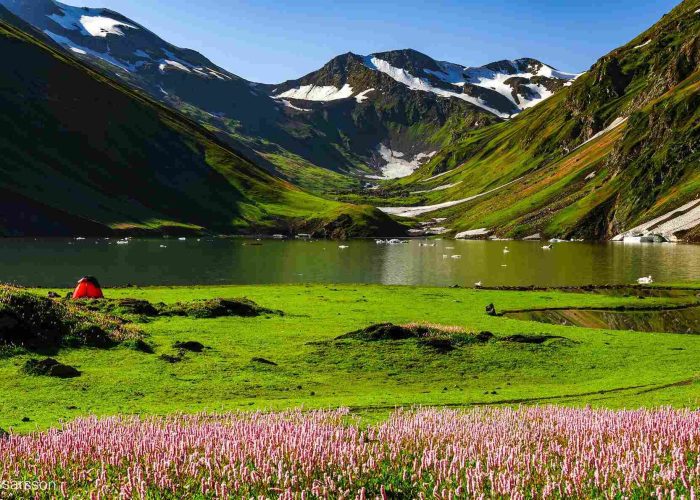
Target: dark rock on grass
{"x": 263, "y": 361}
{"x": 53, "y": 295}
{"x": 491, "y": 310}
{"x": 382, "y": 331}
{"x": 215, "y": 308}
{"x": 50, "y": 367}
{"x": 190, "y": 345}
{"x": 26, "y": 419}
{"x": 530, "y": 339}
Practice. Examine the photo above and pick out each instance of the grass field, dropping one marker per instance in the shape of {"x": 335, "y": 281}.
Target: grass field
{"x": 599, "y": 367}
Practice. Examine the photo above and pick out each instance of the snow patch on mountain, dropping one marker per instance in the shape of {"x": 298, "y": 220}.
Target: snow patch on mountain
{"x": 436, "y": 176}
{"x": 362, "y": 96}
{"x": 87, "y": 51}
{"x": 439, "y": 188}
{"x": 397, "y": 166}
{"x": 318, "y": 93}
{"x": 89, "y": 21}
{"x": 496, "y": 80}
{"x": 416, "y": 211}
{"x": 415, "y": 83}
{"x": 103, "y": 26}
{"x": 681, "y": 219}
{"x": 174, "y": 64}
{"x": 449, "y": 73}
{"x": 615, "y": 123}
{"x": 292, "y": 106}
{"x": 487, "y": 78}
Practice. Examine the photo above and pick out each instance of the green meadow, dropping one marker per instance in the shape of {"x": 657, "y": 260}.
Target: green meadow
{"x": 314, "y": 369}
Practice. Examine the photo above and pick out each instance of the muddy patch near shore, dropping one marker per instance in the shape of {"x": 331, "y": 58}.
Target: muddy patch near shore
{"x": 663, "y": 320}
{"x": 641, "y": 291}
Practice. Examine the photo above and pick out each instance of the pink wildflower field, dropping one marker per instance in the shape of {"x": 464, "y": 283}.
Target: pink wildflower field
{"x": 528, "y": 452}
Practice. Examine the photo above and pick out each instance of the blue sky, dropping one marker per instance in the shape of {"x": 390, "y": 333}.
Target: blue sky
{"x": 272, "y": 41}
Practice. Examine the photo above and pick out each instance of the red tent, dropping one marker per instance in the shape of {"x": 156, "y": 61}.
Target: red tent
{"x": 88, "y": 288}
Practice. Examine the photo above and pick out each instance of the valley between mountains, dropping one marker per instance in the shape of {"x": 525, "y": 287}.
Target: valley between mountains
{"x": 110, "y": 129}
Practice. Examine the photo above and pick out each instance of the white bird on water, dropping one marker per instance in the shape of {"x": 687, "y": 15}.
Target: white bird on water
{"x": 505, "y": 250}
{"x": 645, "y": 280}
{"x": 477, "y": 284}
{"x": 547, "y": 247}
{"x": 342, "y": 247}
{"x": 456, "y": 256}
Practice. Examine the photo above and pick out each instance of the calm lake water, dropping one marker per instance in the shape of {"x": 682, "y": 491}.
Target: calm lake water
{"x": 59, "y": 262}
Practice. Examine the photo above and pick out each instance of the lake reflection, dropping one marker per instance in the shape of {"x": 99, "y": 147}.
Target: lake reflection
{"x": 59, "y": 262}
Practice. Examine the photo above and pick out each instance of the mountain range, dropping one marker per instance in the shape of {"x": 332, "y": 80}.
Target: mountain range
{"x": 511, "y": 148}
{"x": 82, "y": 153}
{"x": 615, "y": 153}
{"x": 354, "y": 117}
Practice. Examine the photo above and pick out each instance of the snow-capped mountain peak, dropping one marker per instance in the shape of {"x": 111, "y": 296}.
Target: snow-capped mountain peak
{"x": 105, "y": 36}
{"x": 503, "y": 88}
{"x": 73, "y": 18}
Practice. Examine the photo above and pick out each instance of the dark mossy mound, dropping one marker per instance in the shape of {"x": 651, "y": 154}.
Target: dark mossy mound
{"x": 139, "y": 345}
{"x": 88, "y": 335}
{"x": 49, "y": 367}
{"x": 531, "y": 339}
{"x": 440, "y": 338}
{"x": 41, "y": 324}
{"x": 211, "y": 308}
{"x": 173, "y": 358}
{"x": 382, "y": 331}
{"x": 215, "y": 308}
{"x": 263, "y": 361}
{"x": 190, "y": 345}
{"x": 119, "y": 307}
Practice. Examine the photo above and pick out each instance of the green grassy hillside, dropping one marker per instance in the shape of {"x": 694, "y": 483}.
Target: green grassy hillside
{"x": 568, "y": 187}
{"x": 84, "y": 154}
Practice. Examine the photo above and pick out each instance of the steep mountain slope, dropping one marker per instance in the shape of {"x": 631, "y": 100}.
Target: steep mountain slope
{"x": 263, "y": 129}
{"x": 82, "y": 153}
{"x": 319, "y": 132}
{"x": 618, "y": 147}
